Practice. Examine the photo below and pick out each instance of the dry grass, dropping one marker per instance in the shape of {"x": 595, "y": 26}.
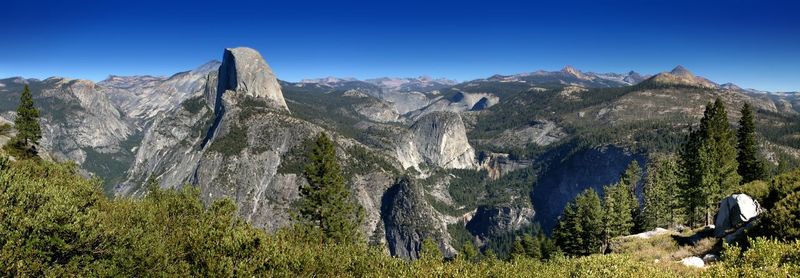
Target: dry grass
{"x": 666, "y": 249}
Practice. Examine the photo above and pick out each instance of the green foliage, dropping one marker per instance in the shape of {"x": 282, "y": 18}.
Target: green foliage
{"x": 661, "y": 206}
{"x": 325, "y": 202}
{"x": 780, "y": 187}
{"x": 468, "y": 252}
{"x": 517, "y": 251}
{"x": 763, "y": 258}
{"x": 364, "y": 161}
{"x": 46, "y": 212}
{"x": 709, "y": 161}
{"x": 783, "y": 220}
{"x": 460, "y": 235}
{"x": 618, "y": 211}
{"x": 430, "y": 250}
{"x": 27, "y": 121}
{"x": 193, "y": 105}
{"x": 232, "y": 143}
{"x": 631, "y": 176}
{"x": 471, "y": 189}
{"x": 758, "y": 190}
{"x": 580, "y": 228}
{"x": 751, "y": 166}
{"x": 53, "y": 222}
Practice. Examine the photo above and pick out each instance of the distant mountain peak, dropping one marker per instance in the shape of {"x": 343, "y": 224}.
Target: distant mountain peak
{"x": 207, "y": 67}
{"x": 569, "y": 70}
{"x": 681, "y": 71}
{"x": 682, "y": 76}
{"x": 730, "y": 86}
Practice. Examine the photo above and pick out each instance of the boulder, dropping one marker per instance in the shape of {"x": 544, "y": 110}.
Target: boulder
{"x": 734, "y": 211}
{"x": 693, "y": 262}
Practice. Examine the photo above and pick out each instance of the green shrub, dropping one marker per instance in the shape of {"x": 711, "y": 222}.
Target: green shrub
{"x": 231, "y": 143}
{"x": 53, "y": 222}
{"x": 781, "y": 186}
{"x": 194, "y": 105}
{"x": 758, "y": 190}
{"x": 764, "y": 258}
{"x": 783, "y": 220}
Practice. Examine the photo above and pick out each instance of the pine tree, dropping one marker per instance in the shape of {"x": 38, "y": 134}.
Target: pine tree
{"x": 661, "y": 200}
{"x": 468, "y": 251}
{"x": 617, "y": 217}
{"x": 631, "y": 176}
{"x": 567, "y": 234}
{"x": 532, "y": 245}
{"x": 750, "y": 166}
{"x": 430, "y": 250}
{"x": 27, "y": 121}
{"x": 518, "y": 250}
{"x": 325, "y": 202}
{"x": 580, "y": 229}
{"x": 709, "y": 161}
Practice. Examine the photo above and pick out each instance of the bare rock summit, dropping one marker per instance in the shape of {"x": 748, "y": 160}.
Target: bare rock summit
{"x": 245, "y": 72}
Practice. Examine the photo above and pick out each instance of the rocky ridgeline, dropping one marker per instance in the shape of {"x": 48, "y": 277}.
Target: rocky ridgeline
{"x": 141, "y": 98}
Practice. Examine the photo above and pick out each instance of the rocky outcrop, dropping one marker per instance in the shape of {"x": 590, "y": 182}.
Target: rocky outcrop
{"x": 372, "y": 108}
{"x": 438, "y": 138}
{"x": 540, "y": 133}
{"x": 171, "y": 147}
{"x": 498, "y": 164}
{"x": 458, "y": 102}
{"x": 244, "y": 71}
{"x": 408, "y": 220}
{"x": 491, "y": 221}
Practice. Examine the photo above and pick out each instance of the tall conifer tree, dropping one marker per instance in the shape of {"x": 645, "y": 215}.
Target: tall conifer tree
{"x": 750, "y": 166}
{"x": 709, "y": 160}
{"x": 580, "y": 228}
{"x": 27, "y": 120}
{"x": 661, "y": 200}
{"x": 325, "y": 202}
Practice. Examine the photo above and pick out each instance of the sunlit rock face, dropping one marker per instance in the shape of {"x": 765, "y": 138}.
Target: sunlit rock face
{"x": 437, "y": 138}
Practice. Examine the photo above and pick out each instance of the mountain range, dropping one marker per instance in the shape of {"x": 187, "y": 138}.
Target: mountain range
{"x": 425, "y": 157}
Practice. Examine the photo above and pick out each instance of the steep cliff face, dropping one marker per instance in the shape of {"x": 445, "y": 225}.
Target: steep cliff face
{"x": 408, "y": 219}
{"x": 491, "y": 221}
{"x": 564, "y": 180}
{"x": 171, "y": 147}
{"x": 245, "y": 72}
{"x": 437, "y": 138}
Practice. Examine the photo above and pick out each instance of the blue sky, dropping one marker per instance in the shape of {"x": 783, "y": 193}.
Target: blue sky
{"x": 755, "y": 44}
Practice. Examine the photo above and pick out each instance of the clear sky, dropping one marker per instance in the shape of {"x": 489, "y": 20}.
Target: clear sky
{"x": 755, "y": 44}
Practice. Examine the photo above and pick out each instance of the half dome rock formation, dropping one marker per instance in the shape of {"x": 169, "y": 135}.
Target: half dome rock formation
{"x": 244, "y": 71}
{"x": 437, "y": 138}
